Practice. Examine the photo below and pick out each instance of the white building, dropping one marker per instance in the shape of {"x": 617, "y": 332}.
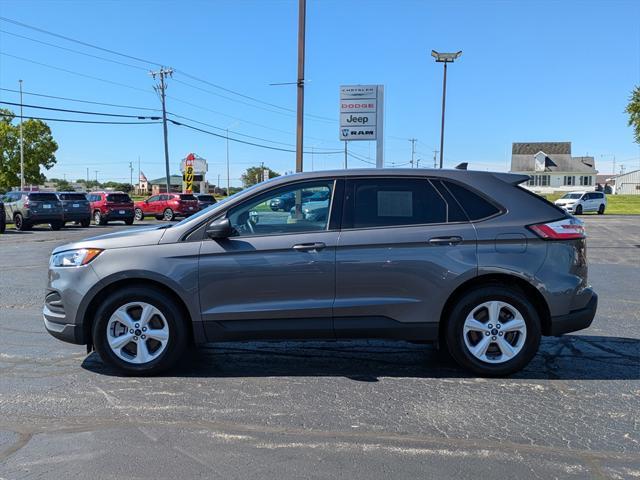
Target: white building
{"x": 552, "y": 168}
{"x": 627, "y": 183}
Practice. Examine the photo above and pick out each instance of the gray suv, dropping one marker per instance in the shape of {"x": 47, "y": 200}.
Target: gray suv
{"x": 26, "y": 209}
{"x": 468, "y": 260}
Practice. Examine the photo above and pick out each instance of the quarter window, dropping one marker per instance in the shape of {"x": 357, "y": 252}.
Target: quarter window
{"x": 473, "y": 204}
{"x": 293, "y": 209}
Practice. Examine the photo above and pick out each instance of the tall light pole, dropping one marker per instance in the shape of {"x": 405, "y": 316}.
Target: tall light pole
{"x": 444, "y": 58}
{"x": 302, "y": 7}
{"x": 21, "y": 143}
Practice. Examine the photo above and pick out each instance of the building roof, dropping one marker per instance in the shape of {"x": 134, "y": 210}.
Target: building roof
{"x": 174, "y": 180}
{"x": 557, "y": 158}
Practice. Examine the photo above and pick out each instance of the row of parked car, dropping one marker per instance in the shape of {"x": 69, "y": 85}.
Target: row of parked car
{"x": 26, "y": 209}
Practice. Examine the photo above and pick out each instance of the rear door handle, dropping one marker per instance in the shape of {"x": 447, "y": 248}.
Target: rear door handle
{"x": 453, "y": 240}
{"x": 305, "y": 247}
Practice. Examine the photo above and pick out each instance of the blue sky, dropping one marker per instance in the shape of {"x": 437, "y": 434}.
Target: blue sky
{"x": 530, "y": 71}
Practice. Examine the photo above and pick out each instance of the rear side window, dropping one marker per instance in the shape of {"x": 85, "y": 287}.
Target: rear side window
{"x": 381, "y": 202}
{"x": 118, "y": 198}
{"x": 72, "y": 196}
{"x": 473, "y": 204}
{"x": 186, "y": 196}
{"x": 206, "y": 198}
{"x": 43, "y": 197}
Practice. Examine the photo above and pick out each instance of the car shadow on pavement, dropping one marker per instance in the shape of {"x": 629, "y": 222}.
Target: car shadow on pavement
{"x": 570, "y": 357}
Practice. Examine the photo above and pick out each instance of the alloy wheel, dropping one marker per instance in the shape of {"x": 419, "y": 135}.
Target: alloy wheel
{"x": 137, "y": 332}
{"x": 494, "y": 332}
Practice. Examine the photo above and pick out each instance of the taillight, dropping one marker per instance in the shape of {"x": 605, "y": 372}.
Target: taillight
{"x": 566, "y": 229}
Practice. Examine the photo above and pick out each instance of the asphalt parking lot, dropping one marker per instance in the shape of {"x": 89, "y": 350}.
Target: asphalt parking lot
{"x": 356, "y": 410}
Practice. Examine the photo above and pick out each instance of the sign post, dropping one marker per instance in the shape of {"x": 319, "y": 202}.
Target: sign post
{"x": 362, "y": 116}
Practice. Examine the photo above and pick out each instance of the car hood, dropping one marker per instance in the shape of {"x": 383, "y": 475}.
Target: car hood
{"x": 134, "y": 237}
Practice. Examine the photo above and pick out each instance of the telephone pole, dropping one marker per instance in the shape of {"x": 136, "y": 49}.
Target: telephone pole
{"x": 413, "y": 150}
{"x": 435, "y": 161}
{"x": 131, "y": 174}
{"x": 345, "y": 154}
{"x": 161, "y": 91}
{"x": 21, "y": 142}
{"x": 228, "y": 175}
{"x": 302, "y": 8}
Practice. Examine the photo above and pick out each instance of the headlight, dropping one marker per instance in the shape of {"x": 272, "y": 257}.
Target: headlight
{"x": 74, "y": 258}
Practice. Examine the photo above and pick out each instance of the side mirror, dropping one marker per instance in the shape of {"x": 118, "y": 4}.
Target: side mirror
{"x": 220, "y": 229}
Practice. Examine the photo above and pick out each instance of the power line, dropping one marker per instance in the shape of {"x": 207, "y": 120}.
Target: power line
{"x": 82, "y": 111}
{"x": 81, "y": 121}
{"x": 73, "y": 51}
{"x": 69, "y": 39}
{"x": 82, "y": 101}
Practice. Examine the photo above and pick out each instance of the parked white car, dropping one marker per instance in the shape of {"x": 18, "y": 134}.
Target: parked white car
{"x": 581, "y": 202}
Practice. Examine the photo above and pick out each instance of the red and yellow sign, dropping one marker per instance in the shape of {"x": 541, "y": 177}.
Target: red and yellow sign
{"x": 187, "y": 176}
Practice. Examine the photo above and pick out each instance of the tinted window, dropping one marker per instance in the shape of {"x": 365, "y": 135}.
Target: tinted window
{"x": 473, "y": 204}
{"x": 155, "y": 198}
{"x": 118, "y": 198}
{"x": 380, "y": 202}
{"x": 72, "y": 196}
{"x": 454, "y": 211}
{"x": 43, "y": 197}
{"x": 186, "y": 196}
{"x": 257, "y": 217}
{"x": 206, "y": 198}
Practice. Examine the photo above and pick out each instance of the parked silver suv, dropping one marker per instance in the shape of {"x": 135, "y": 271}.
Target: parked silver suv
{"x": 26, "y": 209}
{"x": 465, "y": 259}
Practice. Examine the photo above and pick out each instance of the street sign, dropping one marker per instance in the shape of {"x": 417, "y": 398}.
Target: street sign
{"x": 361, "y": 116}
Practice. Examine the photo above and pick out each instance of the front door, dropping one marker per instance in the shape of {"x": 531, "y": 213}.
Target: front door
{"x": 405, "y": 244}
{"x": 276, "y": 277}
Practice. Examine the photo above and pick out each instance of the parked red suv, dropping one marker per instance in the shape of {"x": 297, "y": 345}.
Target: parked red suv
{"x": 110, "y": 206}
{"x": 167, "y": 206}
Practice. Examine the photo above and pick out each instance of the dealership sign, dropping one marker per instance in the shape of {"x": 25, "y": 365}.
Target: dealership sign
{"x": 360, "y": 112}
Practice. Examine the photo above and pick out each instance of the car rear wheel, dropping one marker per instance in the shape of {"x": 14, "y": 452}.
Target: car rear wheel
{"x": 98, "y": 219}
{"x": 128, "y": 221}
{"x": 140, "y": 331}
{"x": 85, "y": 223}
{"x": 56, "y": 225}
{"x": 493, "y": 331}
{"x": 168, "y": 215}
{"x": 138, "y": 215}
{"x": 3, "y": 224}
{"x": 601, "y": 209}
{"x": 578, "y": 210}
{"x": 20, "y": 223}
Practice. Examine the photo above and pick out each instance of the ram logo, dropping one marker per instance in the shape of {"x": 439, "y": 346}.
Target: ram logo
{"x": 345, "y": 132}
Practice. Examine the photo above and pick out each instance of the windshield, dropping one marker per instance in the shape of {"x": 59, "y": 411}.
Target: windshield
{"x": 573, "y": 195}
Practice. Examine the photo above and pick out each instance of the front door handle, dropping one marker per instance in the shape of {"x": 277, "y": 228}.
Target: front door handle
{"x": 306, "y": 247}
{"x": 453, "y": 240}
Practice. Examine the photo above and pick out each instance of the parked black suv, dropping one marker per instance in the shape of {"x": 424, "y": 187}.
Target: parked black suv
{"x": 76, "y": 208}
{"x": 26, "y": 209}
{"x": 205, "y": 200}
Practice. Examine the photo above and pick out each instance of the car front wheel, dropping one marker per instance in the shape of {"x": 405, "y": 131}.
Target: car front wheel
{"x": 140, "y": 331}
{"x": 578, "y": 210}
{"x": 493, "y": 331}
{"x": 168, "y": 215}
{"x": 601, "y": 209}
{"x": 138, "y": 215}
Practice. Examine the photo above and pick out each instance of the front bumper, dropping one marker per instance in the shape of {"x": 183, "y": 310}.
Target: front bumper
{"x": 67, "y": 332}
{"x": 576, "y": 319}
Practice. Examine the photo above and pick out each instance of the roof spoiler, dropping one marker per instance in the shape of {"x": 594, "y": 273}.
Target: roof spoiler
{"x": 462, "y": 166}
{"x": 512, "y": 178}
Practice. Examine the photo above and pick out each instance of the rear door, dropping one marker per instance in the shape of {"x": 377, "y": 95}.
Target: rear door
{"x": 403, "y": 249}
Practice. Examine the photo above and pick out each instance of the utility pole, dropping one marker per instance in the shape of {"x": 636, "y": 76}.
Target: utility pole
{"x": 435, "y": 161}
{"x": 87, "y": 175}
{"x": 131, "y": 172}
{"x": 161, "y": 90}
{"x": 21, "y": 142}
{"x": 228, "y": 175}
{"x": 218, "y": 184}
{"x": 302, "y": 10}
{"x": 413, "y": 150}
{"x": 96, "y": 177}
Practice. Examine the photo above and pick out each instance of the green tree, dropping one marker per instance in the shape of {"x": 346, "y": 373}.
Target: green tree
{"x": 123, "y": 187}
{"x": 633, "y": 109}
{"x": 39, "y": 150}
{"x": 253, "y": 175}
{"x": 62, "y": 185}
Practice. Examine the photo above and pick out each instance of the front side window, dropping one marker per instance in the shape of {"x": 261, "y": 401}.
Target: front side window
{"x": 382, "y": 202}
{"x": 296, "y": 208}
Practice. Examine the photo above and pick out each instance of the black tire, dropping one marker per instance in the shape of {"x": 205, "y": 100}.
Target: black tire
{"x": 3, "y": 224}
{"x": 129, "y": 221}
{"x": 178, "y": 336}
{"x": 86, "y": 223}
{"x": 454, "y": 335}
{"x": 98, "y": 219}
{"x": 20, "y": 223}
{"x": 601, "y": 209}
{"x": 56, "y": 225}
{"x": 578, "y": 210}
{"x": 158, "y": 217}
{"x": 138, "y": 214}
{"x": 168, "y": 215}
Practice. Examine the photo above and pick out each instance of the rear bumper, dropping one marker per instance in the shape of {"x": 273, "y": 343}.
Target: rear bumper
{"x": 43, "y": 218}
{"x": 77, "y": 217}
{"x": 576, "y": 319}
{"x": 116, "y": 215}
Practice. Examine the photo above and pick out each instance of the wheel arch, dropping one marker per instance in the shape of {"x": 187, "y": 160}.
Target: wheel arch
{"x": 505, "y": 280}
{"x": 87, "y": 316}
